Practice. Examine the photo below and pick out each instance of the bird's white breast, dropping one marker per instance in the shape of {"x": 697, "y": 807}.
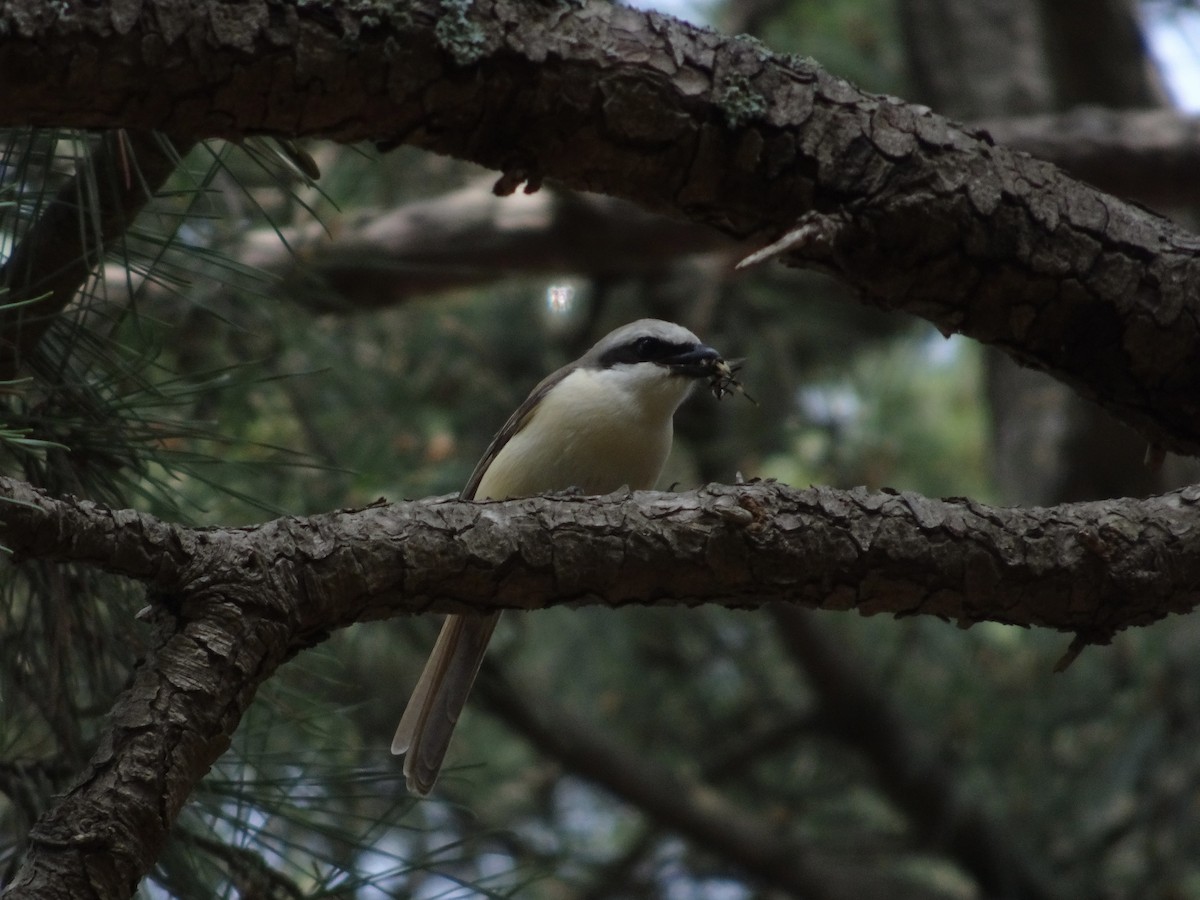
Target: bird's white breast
{"x": 597, "y": 430}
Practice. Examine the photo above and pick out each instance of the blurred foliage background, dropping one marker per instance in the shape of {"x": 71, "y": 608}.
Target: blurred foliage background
{"x": 262, "y": 344}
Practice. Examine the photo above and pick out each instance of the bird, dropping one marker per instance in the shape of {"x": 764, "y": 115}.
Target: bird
{"x": 598, "y": 424}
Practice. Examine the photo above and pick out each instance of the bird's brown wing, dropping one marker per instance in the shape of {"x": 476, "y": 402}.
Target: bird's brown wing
{"x": 518, "y": 420}
{"x": 437, "y": 701}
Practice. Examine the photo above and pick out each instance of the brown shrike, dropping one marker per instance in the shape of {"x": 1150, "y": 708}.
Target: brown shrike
{"x": 598, "y": 424}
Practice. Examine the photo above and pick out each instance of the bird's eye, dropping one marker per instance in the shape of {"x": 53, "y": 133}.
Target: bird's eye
{"x": 648, "y": 347}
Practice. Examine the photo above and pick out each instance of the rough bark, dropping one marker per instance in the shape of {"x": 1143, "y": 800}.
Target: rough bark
{"x": 1089, "y": 568}
{"x": 372, "y": 259}
{"x": 1151, "y": 155}
{"x": 166, "y": 729}
{"x": 230, "y": 605}
{"x": 915, "y": 212}
{"x": 979, "y": 58}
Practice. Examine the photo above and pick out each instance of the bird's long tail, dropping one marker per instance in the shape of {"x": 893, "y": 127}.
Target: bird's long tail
{"x": 433, "y": 709}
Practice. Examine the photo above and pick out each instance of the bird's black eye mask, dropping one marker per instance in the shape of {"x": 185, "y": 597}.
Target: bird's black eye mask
{"x": 644, "y": 349}
{"x": 686, "y": 359}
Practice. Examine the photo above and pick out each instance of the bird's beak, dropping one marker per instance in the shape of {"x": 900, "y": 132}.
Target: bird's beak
{"x": 699, "y": 362}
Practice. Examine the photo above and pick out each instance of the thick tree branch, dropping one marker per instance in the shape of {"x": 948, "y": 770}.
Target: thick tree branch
{"x": 232, "y": 604}
{"x": 912, "y": 210}
{"x": 165, "y": 731}
{"x": 1152, "y": 154}
{"x": 467, "y": 237}
{"x": 1089, "y": 568}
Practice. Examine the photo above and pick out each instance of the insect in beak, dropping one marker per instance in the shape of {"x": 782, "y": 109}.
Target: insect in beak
{"x": 722, "y": 380}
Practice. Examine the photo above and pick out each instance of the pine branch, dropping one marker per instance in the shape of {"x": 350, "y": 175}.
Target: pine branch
{"x": 912, "y": 210}
{"x": 693, "y": 809}
{"x": 54, "y": 259}
{"x": 1091, "y": 569}
{"x": 230, "y": 605}
{"x": 855, "y": 711}
{"x": 1152, "y": 155}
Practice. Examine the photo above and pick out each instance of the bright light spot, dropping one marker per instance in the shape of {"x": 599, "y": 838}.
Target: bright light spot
{"x": 559, "y": 298}
{"x": 1173, "y": 33}
{"x": 943, "y": 351}
{"x": 830, "y": 406}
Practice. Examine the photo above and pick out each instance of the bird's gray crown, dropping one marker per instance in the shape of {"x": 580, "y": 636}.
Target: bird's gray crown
{"x": 646, "y": 340}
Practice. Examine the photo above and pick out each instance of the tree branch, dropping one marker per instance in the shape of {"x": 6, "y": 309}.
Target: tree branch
{"x": 232, "y": 603}
{"x": 854, "y": 711}
{"x": 912, "y": 210}
{"x": 1089, "y": 568}
{"x": 1150, "y": 154}
{"x": 467, "y": 237}
{"x": 165, "y": 731}
{"x": 691, "y": 808}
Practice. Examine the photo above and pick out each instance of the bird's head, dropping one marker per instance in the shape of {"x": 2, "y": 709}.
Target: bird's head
{"x": 657, "y": 361}
{"x": 658, "y": 347}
